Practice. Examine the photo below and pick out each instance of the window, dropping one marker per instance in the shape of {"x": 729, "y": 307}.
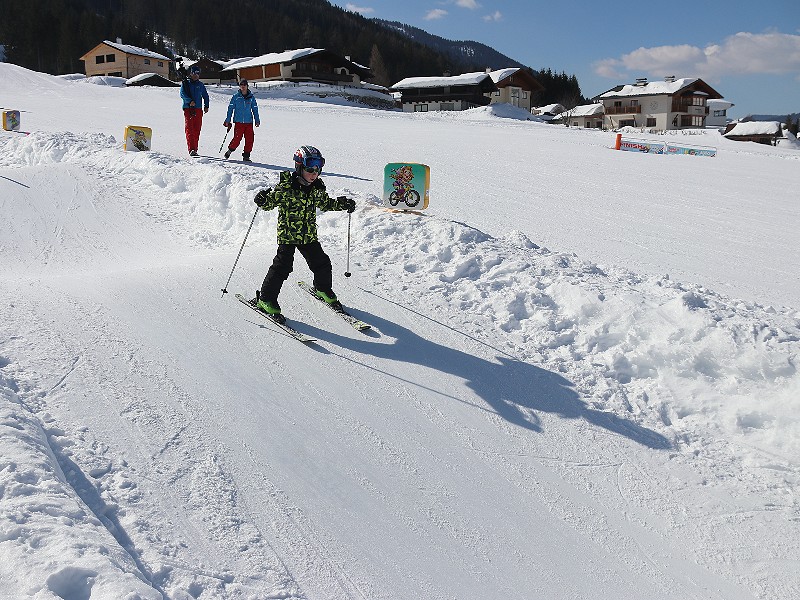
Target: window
{"x": 497, "y": 93}
{"x": 147, "y": 61}
{"x": 100, "y": 59}
{"x": 574, "y": 123}
{"x": 651, "y": 122}
{"x": 627, "y": 123}
{"x": 110, "y": 58}
{"x": 618, "y": 103}
{"x": 720, "y": 113}
{"x": 161, "y": 63}
{"x": 634, "y": 103}
{"x": 420, "y": 108}
{"x": 524, "y": 95}
{"x": 691, "y": 121}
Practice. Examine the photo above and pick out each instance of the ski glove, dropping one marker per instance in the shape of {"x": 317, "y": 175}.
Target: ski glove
{"x": 226, "y": 124}
{"x": 262, "y": 197}
{"x": 349, "y": 203}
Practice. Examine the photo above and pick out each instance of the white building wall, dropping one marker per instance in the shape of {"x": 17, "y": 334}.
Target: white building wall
{"x": 432, "y": 106}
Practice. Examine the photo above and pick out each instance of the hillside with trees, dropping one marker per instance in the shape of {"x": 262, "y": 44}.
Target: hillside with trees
{"x": 50, "y": 36}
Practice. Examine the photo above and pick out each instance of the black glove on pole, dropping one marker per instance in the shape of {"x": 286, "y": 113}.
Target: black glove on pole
{"x": 225, "y": 289}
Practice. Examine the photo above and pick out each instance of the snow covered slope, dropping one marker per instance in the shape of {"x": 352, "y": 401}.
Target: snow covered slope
{"x": 581, "y": 380}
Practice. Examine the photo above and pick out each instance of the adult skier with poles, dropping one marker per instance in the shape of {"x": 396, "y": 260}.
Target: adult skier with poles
{"x": 297, "y": 197}
{"x": 243, "y": 113}
{"x": 194, "y": 95}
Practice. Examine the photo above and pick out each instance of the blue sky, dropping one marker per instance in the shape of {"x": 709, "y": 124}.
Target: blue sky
{"x": 748, "y": 51}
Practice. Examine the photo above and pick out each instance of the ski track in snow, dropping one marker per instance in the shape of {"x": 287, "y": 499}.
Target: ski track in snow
{"x": 479, "y": 341}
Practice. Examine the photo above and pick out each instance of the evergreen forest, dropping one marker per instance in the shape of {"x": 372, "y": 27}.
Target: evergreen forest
{"x": 50, "y": 36}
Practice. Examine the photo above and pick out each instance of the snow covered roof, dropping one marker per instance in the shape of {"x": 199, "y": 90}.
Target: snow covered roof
{"x": 150, "y": 79}
{"x": 587, "y": 110}
{"x": 128, "y": 49}
{"x": 655, "y": 88}
{"x": 549, "y": 109}
{"x": 501, "y": 74}
{"x": 719, "y": 104}
{"x": 429, "y": 82}
{"x": 756, "y": 128}
{"x": 289, "y": 56}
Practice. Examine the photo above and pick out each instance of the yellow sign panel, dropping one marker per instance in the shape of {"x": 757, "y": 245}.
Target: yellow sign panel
{"x": 137, "y": 138}
{"x": 11, "y": 120}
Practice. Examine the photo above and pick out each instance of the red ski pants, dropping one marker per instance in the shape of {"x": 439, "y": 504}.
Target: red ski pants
{"x": 242, "y": 130}
{"x": 193, "y": 120}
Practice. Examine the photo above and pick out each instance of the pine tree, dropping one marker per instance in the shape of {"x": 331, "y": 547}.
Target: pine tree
{"x": 379, "y": 67}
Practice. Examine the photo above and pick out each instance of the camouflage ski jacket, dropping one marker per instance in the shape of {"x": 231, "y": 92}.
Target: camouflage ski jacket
{"x": 297, "y": 208}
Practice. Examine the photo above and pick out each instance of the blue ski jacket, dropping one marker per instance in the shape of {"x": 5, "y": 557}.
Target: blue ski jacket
{"x": 194, "y": 90}
{"x": 244, "y": 109}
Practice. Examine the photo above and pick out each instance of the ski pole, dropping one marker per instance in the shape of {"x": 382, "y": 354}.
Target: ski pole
{"x": 225, "y": 289}
{"x": 223, "y": 140}
{"x": 347, "y": 272}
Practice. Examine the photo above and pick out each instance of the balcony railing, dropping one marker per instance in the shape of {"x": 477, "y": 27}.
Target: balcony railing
{"x": 623, "y": 110}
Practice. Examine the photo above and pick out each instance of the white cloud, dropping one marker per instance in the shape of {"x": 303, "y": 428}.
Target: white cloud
{"x": 470, "y": 4}
{"x": 436, "y": 13}
{"x": 364, "y": 10}
{"x": 739, "y": 54}
{"x": 497, "y": 16}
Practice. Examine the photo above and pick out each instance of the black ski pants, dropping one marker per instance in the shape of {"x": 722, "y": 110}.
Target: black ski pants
{"x": 318, "y": 262}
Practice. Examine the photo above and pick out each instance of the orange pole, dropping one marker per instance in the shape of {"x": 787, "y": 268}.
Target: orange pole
{"x": 619, "y": 141}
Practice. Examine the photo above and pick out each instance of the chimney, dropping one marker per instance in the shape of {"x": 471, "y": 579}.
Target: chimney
{"x": 119, "y": 40}
{"x": 446, "y": 74}
{"x": 670, "y": 78}
{"x": 488, "y": 69}
{"x": 641, "y": 81}
{"x": 347, "y": 57}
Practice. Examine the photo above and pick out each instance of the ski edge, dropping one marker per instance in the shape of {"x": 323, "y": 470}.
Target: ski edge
{"x": 355, "y": 323}
{"x": 298, "y": 335}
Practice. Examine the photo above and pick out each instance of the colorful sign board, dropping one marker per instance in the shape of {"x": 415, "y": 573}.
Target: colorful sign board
{"x": 138, "y": 139}
{"x": 650, "y": 147}
{"x": 642, "y": 146}
{"x": 693, "y": 150}
{"x": 406, "y": 186}
{"x": 11, "y": 120}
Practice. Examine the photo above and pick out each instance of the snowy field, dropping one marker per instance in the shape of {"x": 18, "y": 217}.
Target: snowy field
{"x": 581, "y": 383}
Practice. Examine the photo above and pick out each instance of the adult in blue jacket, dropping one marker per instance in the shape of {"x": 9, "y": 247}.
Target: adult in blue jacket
{"x": 243, "y": 109}
{"x": 194, "y": 95}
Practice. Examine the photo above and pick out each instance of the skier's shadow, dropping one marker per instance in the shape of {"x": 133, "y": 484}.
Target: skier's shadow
{"x": 515, "y": 390}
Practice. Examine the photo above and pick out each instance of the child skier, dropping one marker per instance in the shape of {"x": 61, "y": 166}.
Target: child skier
{"x": 297, "y": 197}
{"x": 243, "y": 112}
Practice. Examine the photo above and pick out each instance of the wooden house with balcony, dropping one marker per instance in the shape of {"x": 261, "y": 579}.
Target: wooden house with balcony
{"x": 659, "y": 105}
{"x": 304, "y": 65}
{"x": 515, "y": 86}
{"x": 116, "y": 59}
{"x": 448, "y": 92}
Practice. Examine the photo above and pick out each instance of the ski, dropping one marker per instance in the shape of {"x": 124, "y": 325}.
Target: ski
{"x": 301, "y": 337}
{"x": 346, "y": 316}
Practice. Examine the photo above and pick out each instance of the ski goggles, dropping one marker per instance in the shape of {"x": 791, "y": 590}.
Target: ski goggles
{"x": 313, "y": 169}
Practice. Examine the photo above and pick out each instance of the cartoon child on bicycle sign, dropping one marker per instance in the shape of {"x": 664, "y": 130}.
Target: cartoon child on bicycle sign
{"x": 406, "y": 186}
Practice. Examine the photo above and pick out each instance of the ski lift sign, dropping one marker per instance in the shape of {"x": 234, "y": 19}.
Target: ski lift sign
{"x": 406, "y": 186}
{"x": 137, "y": 138}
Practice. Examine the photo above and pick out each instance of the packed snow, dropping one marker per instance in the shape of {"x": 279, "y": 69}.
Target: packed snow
{"x": 581, "y": 381}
